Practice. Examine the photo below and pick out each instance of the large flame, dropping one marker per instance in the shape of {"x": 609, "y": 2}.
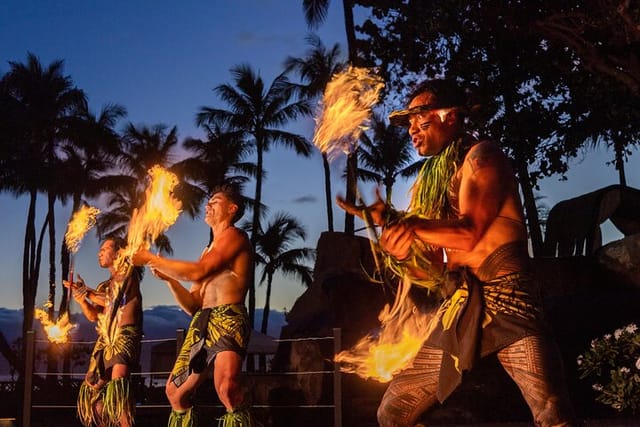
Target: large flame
{"x": 380, "y": 356}
{"x": 346, "y": 105}
{"x": 57, "y": 332}
{"x": 159, "y": 211}
{"x": 81, "y": 222}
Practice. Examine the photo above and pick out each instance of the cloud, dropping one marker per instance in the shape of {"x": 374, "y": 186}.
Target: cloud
{"x": 309, "y": 198}
{"x": 249, "y": 38}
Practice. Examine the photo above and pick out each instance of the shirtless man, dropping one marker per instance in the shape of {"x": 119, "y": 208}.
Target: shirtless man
{"x": 219, "y": 331}
{"x": 116, "y": 304}
{"x": 465, "y": 204}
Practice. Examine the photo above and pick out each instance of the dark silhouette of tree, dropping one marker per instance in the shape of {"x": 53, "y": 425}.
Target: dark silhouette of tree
{"x": 315, "y": 70}
{"x": 492, "y": 49}
{"x": 260, "y": 114}
{"x": 274, "y": 253}
{"x": 142, "y": 148}
{"x": 604, "y": 35}
{"x": 315, "y": 12}
{"x": 385, "y": 155}
{"x": 42, "y": 100}
{"x": 88, "y": 153}
{"x": 218, "y": 159}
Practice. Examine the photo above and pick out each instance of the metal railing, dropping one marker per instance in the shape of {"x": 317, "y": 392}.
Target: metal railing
{"x": 29, "y": 405}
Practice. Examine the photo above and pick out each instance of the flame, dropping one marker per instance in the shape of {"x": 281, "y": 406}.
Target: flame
{"x": 159, "y": 211}
{"x": 81, "y": 222}
{"x": 346, "y": 105}
{"x": 393, "y": 349}
{"x": 57, "y": 332}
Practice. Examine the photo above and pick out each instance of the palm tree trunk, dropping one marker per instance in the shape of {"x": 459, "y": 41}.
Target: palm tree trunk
{"x": 255, "y": 228}
{"x": 52, "y": 255}
{"x": 522, "y": 171}
{"x": 29, "y": 253}
{"x": 530, "y": 209}
{"x": 254, "y": 236}
{"x": 65, "y": 260}
{"x": 618, "y": 146}
{"x": 267, "y": 306}
{"x": 65, "y": 266}
{"x": 352, "y": 159}
{"x": 52, "y": 360}
{"x": 352, "y": 167}
{"x": 350, "y": 31}
{"x": 327, "y": 191}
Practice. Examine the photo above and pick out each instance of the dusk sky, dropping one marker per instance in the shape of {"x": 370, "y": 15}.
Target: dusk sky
{"x": 161, "y": 59}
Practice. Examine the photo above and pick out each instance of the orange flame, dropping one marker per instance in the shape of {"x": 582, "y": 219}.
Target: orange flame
{"x": 346, "y": 105}
{"x": 57, "y": 332}
{"x": 159, "y": 211}
{"x": 393, "y": 349}
{"x": 81, "y": 222}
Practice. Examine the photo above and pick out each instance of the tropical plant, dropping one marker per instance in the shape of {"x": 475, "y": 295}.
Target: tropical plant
{"x": 42, "y": 99}
{"x": 613, "y": 363}
{"x": 315, "y": 12}
{"x": 217, "y": 160}
{"x": 259, "y": 114}
{"x": 142, "y": 148}
{"x": 510, "y": 71}
{"x": 88, "y": 153}
{"x": 385, "y": 155}
{"x": 274, "y": 253}
{"x": 315, "y": 70}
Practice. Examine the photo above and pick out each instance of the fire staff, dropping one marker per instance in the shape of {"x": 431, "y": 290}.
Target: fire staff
{"x": 465, "y": 204}
{"x": 219, "y": 331}
{"x": 105, "y": 397}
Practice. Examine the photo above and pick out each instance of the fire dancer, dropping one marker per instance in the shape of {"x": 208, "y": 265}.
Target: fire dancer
{"x": 465, "y": 204}
{"x": 219, "y": 331}
{"x": 105, "y": 398}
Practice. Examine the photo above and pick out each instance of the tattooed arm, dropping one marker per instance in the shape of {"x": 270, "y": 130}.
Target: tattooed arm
{"x": 487, "y": 191}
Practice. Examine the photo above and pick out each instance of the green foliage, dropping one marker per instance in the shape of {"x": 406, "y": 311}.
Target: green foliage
{"x": 613, "y": 363}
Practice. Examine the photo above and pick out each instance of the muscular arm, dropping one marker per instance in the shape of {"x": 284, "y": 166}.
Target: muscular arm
{"x": 225, "y": 249}
{"x": 189, "y": 300}
{"x": 486, "y": 182}
{"x": 90, "y": 311}
{"x": 91, "y": 303}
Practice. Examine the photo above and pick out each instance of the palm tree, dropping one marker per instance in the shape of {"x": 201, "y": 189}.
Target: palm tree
{"x": 88, "y": 153}
{"x": 259, "y": 114}
{"x": 43, "y": 99}
{"x": 386, "y": 155}
{"x": 315, "y": 71}
{"x": 217, "y": 160}
{"x": 315, "y": 12}
{"x": 143, "y": 148}
{"x": 274, "y": 253}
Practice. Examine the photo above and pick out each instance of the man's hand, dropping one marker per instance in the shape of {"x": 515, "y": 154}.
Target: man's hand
{"x": 78, "y": 289}
{"x": 377, "y": 211}
{"x": 160, "y": 275}
{"x": 396, "y": 239}
{"x": 142, "y": 257}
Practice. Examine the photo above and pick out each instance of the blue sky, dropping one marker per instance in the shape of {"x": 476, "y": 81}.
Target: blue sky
{"x": 161, "y": 59}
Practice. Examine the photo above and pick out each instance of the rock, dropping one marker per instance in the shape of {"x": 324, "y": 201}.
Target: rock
{"x": 622, "y": 259}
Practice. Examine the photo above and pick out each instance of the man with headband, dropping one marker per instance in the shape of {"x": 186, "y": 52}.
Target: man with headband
{"x": 465, "y": 205}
